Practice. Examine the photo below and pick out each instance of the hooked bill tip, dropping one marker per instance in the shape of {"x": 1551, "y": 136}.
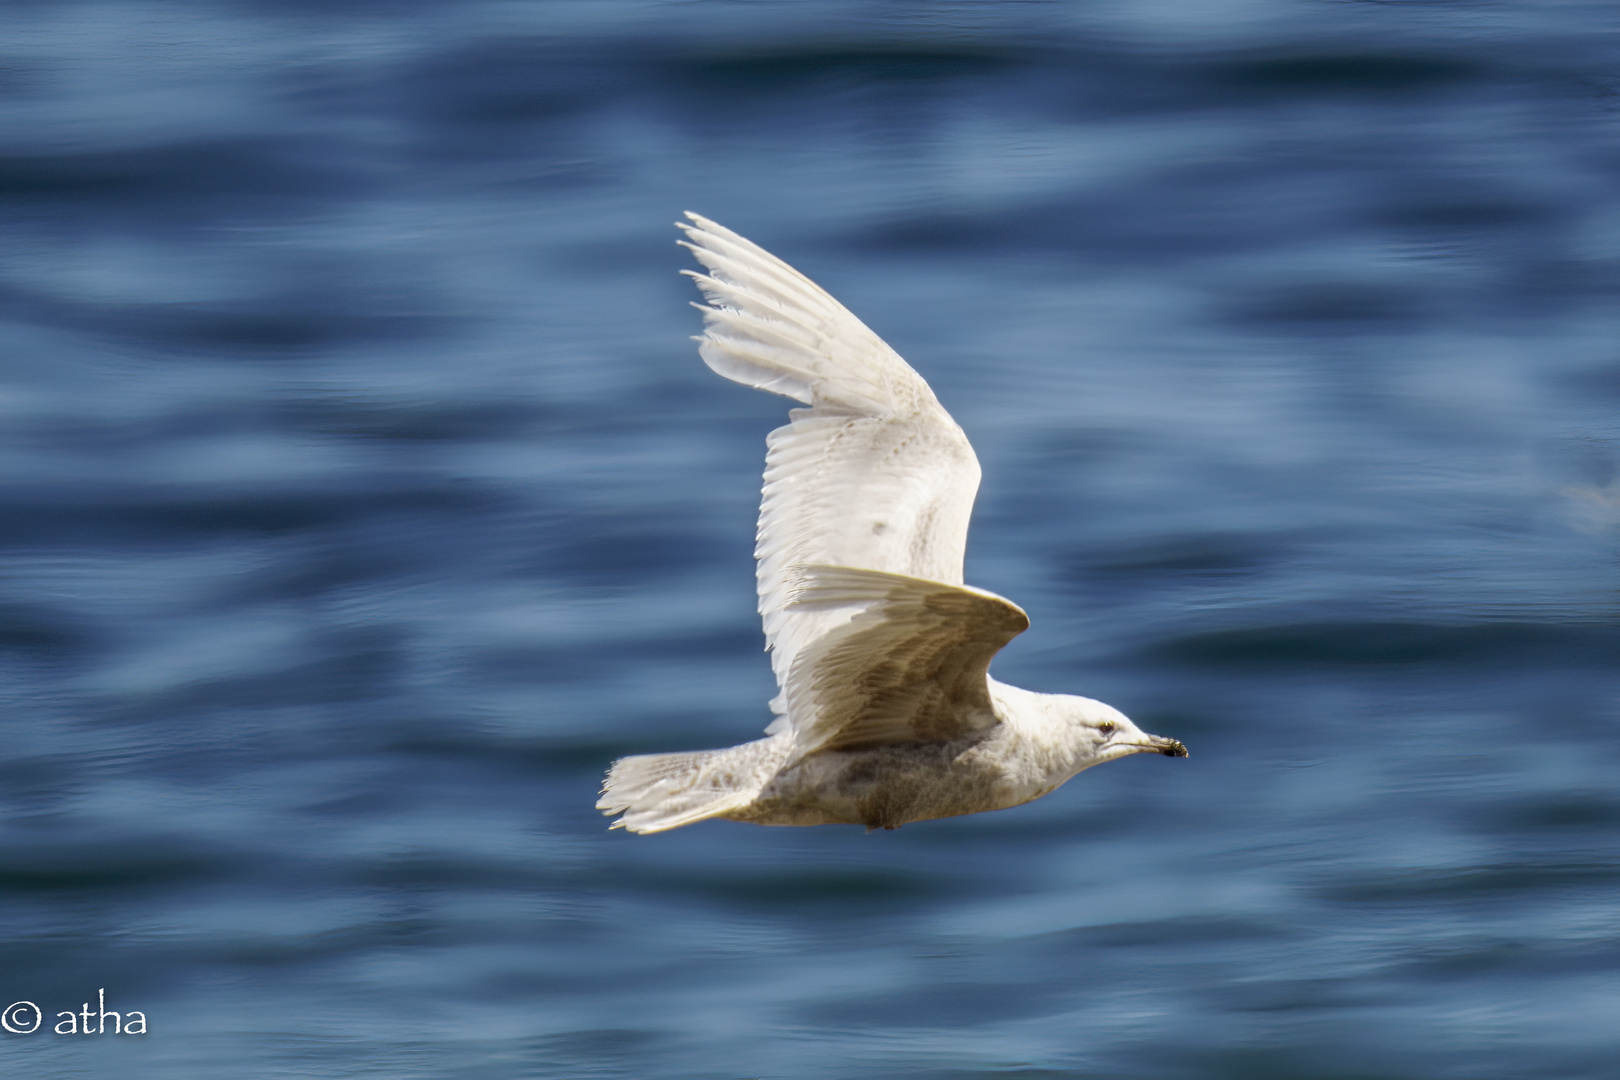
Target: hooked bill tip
{"x": 1173, "y": 748}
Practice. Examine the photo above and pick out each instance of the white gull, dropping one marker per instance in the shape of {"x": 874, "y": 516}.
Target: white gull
{"x": 887, "y": 712}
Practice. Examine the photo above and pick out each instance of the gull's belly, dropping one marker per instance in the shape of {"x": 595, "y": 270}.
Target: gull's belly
{"x": 888, "y": 786}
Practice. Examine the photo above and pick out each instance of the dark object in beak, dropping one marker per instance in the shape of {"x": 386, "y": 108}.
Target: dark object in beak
{"x": 1170, "y": 747}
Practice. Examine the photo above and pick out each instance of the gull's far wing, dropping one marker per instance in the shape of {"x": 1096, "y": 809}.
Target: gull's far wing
{"x": 874, "y": 474}
{"x": 910, "y": 666}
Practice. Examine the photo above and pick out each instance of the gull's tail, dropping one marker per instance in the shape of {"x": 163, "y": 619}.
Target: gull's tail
{"x": 655, "y": 792}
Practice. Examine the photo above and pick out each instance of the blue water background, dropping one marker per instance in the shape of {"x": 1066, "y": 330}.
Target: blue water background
{"x": 362, "y": 497}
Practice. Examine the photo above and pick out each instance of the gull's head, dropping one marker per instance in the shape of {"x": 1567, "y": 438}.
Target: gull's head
{"x": 1100, "y": 733}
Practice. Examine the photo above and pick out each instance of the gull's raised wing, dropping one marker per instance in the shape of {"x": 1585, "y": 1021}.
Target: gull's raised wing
{"x": 910, "y": 666}
{"x": 874, "y": 474}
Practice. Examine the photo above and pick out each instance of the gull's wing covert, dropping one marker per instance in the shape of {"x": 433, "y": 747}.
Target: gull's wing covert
{"x": 874, "y": 474}
{"x": 910, "y": 666}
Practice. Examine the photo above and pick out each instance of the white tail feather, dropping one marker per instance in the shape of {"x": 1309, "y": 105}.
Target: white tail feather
{"x": 655, "y": 792}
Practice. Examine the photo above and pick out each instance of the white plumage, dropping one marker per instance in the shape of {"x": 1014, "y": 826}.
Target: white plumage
{"x": 887, "y": 713}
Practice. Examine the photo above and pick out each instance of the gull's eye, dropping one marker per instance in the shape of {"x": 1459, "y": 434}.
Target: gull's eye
{"x": 1107, "y": 727}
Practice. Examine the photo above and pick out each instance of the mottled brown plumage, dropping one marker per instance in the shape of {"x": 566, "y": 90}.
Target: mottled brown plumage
{"x": 887, "y": 713}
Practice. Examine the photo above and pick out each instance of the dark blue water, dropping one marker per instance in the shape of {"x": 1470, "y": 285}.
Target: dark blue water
{"x": 361, "y": 498}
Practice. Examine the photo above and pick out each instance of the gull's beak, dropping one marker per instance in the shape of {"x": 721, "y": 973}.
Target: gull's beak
{"x": 1167, "y": 747}
{"x": 1159, "y": 745}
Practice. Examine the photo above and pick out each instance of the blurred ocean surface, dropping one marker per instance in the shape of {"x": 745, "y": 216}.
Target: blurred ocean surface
{"x": 362, "y": 496}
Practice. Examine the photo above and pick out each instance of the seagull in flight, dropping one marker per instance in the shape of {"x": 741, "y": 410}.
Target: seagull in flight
{"x": 887, "y": 713}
